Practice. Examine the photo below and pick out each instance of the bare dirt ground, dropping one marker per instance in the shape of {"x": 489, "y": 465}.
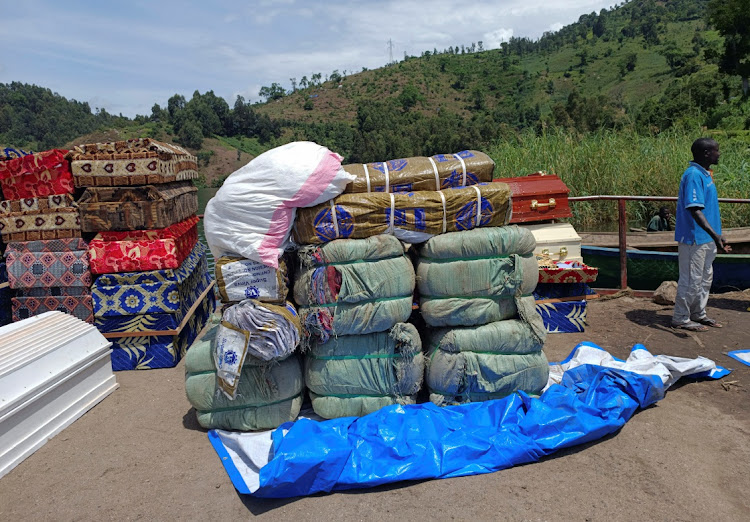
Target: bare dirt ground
{"x": 139, "y": 454}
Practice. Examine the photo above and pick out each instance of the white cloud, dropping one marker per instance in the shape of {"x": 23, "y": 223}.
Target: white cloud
{"x": 132, "y": 56}
{"x": 495, "y": 38}
{"x": 556, "y": 27}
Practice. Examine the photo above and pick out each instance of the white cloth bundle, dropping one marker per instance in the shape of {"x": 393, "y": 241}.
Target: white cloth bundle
{"x": 252, "y": 214}
{"x": 250, "y": 328}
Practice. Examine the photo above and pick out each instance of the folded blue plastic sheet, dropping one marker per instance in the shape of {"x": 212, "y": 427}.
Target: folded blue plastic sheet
{"x": 424, "y": 441}
{"x": 742, "y": 356}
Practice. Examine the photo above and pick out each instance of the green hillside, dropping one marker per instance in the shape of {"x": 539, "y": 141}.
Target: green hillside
{"x": 645, "y": 67}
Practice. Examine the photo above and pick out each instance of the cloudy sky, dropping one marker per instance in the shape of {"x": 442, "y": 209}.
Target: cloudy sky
{"x": 126, "y": 56}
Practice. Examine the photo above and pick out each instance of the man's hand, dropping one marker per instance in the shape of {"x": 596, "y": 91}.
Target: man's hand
{"x": 723, "y": 245}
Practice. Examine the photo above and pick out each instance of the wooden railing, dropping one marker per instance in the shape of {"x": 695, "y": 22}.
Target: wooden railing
{"x": 622, "y": 222}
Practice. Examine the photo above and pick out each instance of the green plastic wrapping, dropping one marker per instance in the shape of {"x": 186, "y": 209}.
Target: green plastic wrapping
{"x": 477, "y": 276}
{"x": 353, "y": 286}
{"x": 269, "y": 394}
{"x": 359, "y": 374}
{"x": 485, "y": 362}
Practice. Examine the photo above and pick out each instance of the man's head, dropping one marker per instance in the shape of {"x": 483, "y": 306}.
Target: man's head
{"x": 705, "y": 152}
{"x": 664, "y": 213}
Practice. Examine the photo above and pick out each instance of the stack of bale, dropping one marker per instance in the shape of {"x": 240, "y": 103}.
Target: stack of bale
{"x": 152, "y": 292}
{"x": 244, "y": 374}
{"x": 486, "y": 338}
{"x": 354, "y": 298}
{"x": 47, "y": 261}
{"x": 356, "y": 292}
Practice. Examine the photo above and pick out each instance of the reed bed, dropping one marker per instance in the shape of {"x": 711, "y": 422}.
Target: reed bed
{"x": 624, "y": 163}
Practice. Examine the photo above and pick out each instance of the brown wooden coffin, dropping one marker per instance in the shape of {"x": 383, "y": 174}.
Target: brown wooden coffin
{"x": 136, "y": 208}
{"x": 538, "y": 197}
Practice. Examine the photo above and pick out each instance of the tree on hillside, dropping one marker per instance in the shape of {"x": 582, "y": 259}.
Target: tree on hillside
{"x": 732, "y": 19}
{"x": 191, "y": 135}
{"x": 274, "y": 92}
{"x": 159, "y": 114}
{"x": 175, "y": 104}
{"x": 599, "y": 26}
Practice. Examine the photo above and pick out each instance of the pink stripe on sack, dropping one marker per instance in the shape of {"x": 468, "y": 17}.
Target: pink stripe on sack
{"x": 281, "y": 221}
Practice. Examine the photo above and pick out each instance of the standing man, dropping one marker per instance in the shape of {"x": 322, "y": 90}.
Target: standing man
{"x": 698, "y": 234}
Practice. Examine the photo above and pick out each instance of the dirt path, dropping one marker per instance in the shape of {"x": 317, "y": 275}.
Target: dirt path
{"x": 140, "y": 455}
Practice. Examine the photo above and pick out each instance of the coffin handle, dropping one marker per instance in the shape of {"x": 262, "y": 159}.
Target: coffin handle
{"x": 535, "y": 205}
{"x": 562, "y": 253}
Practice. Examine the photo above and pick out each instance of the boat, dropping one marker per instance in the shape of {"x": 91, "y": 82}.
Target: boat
{"x": 652, "y": 259}
{"x": 738, "y": 237}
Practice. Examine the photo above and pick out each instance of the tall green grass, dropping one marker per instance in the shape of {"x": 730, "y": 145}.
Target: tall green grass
{"x": 624, "y": 163}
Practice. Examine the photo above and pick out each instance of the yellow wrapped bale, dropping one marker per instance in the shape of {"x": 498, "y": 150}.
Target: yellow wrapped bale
{"x": 413, "y": 217}
{"x": 441, "y": 171}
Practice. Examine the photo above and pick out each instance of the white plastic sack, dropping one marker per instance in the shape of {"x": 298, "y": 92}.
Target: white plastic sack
{"x": 251, "y": 215}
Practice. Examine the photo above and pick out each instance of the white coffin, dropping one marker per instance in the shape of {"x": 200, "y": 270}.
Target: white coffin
{"x": 560, "y": 241}
{"x": 53, "y": 369}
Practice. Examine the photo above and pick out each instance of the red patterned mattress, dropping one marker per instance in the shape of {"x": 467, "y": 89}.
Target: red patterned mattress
{"x": 567, "y": 272}
{"x": 140, "y": 250}
{"x": 36, "y": 175}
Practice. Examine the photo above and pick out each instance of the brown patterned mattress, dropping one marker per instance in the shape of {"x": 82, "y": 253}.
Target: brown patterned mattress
{"x": 140, "y": 161}
{"x": 32, "y": 219}
{"x": 133, "y": 208}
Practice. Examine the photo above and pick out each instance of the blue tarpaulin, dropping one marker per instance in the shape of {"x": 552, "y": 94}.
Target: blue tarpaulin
{"x": 423, "y": 441}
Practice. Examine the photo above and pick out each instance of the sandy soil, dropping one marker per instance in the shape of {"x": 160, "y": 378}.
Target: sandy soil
{"x": 140, "y": 454}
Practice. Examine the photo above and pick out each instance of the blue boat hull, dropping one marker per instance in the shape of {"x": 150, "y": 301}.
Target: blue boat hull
{"x": 647, "y": 269}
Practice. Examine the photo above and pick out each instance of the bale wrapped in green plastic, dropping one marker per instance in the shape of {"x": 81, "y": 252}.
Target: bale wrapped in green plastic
{"x": 354, "y": 375}
{"x": 477, "y": 276}
{"x": 353, "y": 286}
{"x": 268, "y": 395}
{"x": 486, "y": 362}
{"x": 437, "y": 172}
{"x": 413, "y": 217}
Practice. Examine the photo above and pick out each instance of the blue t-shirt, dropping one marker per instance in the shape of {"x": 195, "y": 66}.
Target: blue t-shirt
{"x": 697, "y": 190}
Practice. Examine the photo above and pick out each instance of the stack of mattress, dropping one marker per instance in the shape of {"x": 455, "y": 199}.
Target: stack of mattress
{"x": 50, "y": 275}
{"x": 47, "y": 261}
{"x": 485, "y": 338}
{"x": 152, "y": 289}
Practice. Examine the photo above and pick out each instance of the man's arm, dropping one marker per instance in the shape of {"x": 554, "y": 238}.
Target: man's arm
{"x": 699, "y": 218}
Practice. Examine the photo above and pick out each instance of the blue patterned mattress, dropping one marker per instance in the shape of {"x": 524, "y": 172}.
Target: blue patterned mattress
{"x": 161, "y": 351}
{"x": 151, "y": 292}
{"x": 160, "y": 320}
{"x": 567, "y": 317}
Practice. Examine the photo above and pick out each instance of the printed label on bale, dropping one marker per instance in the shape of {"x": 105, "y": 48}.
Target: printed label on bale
{"x": 247, "y": 279}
